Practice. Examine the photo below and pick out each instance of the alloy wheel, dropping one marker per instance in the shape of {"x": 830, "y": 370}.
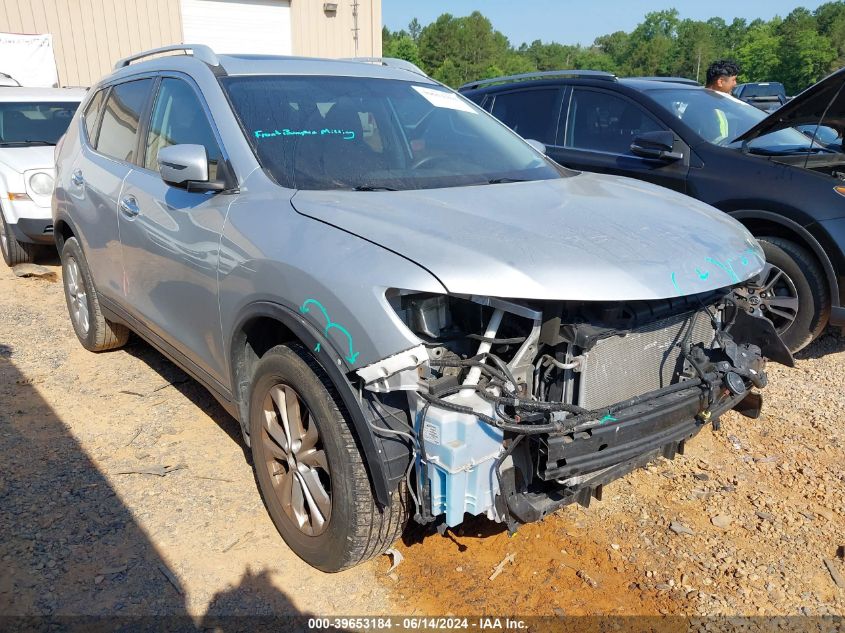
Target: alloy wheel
{"x": 296, "y": 460}
{"x": 78, "y": 299}
{"x": 776, "y": 297}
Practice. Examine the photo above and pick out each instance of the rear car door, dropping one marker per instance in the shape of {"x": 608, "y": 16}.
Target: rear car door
{"x": 533, "y": 113}
{"x": 109, "y": 146}
{"x": 171, "y": 237}
{"x": 596, "y": 133}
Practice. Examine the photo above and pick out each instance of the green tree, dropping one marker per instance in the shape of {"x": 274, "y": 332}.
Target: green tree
{"x": 414, "y": 29}
{"x": 402, "y": 47}
{"x": 470, "y": 44}
{"x": 652, "y": 44}
{"x": 759, "y": 54}
{"x": 805, "y": 54}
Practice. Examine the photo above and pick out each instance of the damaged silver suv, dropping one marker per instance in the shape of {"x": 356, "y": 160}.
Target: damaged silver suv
{"x": 411, "y": 311}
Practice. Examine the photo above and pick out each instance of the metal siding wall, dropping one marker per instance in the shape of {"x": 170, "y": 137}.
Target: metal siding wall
{"x": 316, "y": 34}
{"x": 90, "y": 35}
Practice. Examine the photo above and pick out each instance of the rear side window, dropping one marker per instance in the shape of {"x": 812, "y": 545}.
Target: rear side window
{"x": 92, "y": 113}
{"x": 118, "y": 135}
{"x": 603, "y": 122}
{"x": 532, "y": 114}
{"x": 178, "y": 117}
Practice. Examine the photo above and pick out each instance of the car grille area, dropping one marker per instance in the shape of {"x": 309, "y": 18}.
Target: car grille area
{"x": 623, "y": 366}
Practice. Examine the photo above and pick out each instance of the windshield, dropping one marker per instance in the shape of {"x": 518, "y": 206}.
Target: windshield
{"x": 719, "y": 119}
{"x": 318, "y": 132}
{"x": 762, "y": 90}
{"x": 33, "y": 123}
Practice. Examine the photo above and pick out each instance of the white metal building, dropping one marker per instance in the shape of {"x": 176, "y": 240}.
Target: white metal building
{"x": 90, "y": 35}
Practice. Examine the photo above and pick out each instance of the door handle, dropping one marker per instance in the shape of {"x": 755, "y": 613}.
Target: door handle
{"x": 129, "y": 206}
{"x": 76, "y": 177}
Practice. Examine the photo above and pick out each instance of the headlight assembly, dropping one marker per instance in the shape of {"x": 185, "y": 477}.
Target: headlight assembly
{"x": 41, "y": 184}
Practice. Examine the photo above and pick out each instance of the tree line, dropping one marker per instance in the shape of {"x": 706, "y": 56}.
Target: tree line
{"x": 797, "y": 50}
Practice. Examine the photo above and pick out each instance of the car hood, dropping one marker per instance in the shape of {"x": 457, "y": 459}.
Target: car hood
{"x": 586, "y": 237}
{"x": 824, "y": 99}
{"x": 23, "y": 158}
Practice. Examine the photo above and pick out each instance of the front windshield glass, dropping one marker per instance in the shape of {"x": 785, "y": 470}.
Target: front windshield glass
{"x": 319, "y": 132}
{"x": 34, "y": 123}
{"x": 762, "y": 90}
{"x": 719, "y": 119}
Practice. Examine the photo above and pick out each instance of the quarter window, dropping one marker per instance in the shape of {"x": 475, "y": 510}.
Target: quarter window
{"x": 179, "y": 118}
{"x": 92, "y": 113}
{"x": 530, "y": 113}
{"x": 604, "y": 122}
{"x": 119, "y": 130}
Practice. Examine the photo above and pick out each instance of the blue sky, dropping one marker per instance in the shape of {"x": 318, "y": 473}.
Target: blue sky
{"x": 570, "y": 21}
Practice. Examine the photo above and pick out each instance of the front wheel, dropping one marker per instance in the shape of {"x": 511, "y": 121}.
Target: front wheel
{"x": 794, "y": 294}
{"x": 312, "y": 475}
{"x": 14, "y": 252}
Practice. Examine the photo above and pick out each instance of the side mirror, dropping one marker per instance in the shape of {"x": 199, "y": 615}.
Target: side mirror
{"x": 657, "y": 145}
{"x": 186, "y": 166}
{"x": 540, "y": 147}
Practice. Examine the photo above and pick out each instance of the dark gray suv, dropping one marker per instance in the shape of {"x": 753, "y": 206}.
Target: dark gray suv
{"x": 411, "y": 311}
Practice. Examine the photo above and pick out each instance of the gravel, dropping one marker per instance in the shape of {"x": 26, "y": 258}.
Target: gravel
{"x": 755, "y": 511}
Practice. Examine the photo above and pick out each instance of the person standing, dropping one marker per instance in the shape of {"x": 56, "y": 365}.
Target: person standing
{"x": 721, "y": 76}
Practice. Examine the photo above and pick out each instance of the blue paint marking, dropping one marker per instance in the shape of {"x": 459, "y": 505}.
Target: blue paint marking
{"x": 675, "y": 283}
{"x": 317, "y": 349}
{"x": 348, "y": 135}
{"x": 702, "y": 274}
{"x": 608, "y": 418}
{"x": 727, "y": 267}
{"x": 331, "y": 325}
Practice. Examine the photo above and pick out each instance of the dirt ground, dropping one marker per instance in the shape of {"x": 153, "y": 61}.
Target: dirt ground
{"x": 741, "y": 524}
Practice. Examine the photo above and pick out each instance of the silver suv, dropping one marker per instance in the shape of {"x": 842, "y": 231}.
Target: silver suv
{"x": 409, "y": 308}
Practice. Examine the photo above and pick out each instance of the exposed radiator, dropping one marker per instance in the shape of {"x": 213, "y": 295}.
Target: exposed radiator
{"x": 645, "y": 359}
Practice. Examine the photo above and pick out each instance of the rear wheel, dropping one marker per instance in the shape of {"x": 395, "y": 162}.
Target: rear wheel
{"x": 14, "y": 252}
{"x": 93, "y": 330}
{"x": 794, "y": 293}
{"x": 310, "y": 470}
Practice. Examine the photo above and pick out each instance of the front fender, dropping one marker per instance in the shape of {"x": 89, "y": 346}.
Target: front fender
{"x": 385, "y": 457}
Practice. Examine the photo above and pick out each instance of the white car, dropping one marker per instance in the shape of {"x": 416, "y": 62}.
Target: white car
{"x": 32, "y": 120}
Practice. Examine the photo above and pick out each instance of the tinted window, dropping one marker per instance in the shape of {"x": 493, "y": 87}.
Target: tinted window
{"x": 119, "y": 129}
{"x": 91, "y": 114}
{"x": 323, "y": 132}
{"x": 178, "y": 118}
{"x": 604, "y": 122}
{"x": 530, "y": 113}
{"x": 720, "y": 119}
{"x": 34, "y": 123}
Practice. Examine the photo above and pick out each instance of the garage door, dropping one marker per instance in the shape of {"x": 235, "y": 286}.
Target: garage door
{"x": 238, "y": 26}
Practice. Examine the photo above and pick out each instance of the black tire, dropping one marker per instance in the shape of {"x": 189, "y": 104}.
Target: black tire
{"x": 96, "y": 333}
{"x": 356, "y": 528}
{"x": 14, "y": 252}
{"x": 807, "y": 282}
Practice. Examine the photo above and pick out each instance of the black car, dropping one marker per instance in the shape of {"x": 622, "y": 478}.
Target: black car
{"x": 766, "y": 95}
{"x": 783, "y": 185}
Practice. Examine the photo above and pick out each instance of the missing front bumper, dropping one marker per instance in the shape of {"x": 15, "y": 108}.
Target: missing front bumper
{"x": 573, "y": 468}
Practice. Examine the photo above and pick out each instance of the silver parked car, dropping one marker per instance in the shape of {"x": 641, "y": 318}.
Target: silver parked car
{"x": 411, "y": 311}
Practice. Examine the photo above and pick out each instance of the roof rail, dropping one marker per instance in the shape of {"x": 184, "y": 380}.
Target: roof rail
{"x": 391, "y": 62}
{"x": 673, "y": 80}
{"x": 546, "y": 74}
{"x": 200, "y": 51}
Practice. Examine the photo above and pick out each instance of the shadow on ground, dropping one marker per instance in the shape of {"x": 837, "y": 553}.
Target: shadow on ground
{"x": 831, "y": 341}
{"x": 71, "y": 553}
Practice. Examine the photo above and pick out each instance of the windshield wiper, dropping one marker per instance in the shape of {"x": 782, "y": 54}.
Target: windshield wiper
{"x": 27, "y": 142}
{"x": 499, "y": 181}
{"x": 373, "y": 188}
